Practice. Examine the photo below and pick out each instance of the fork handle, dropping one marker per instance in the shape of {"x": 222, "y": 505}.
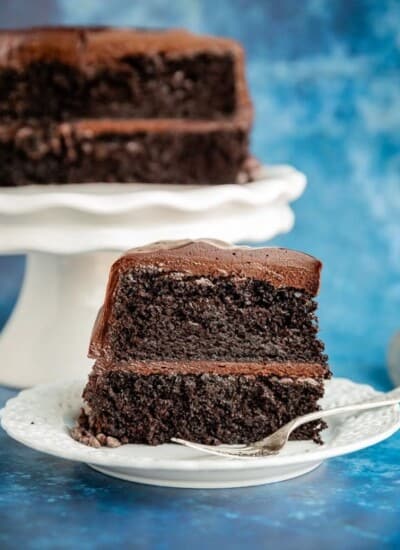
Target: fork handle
{"x": 390, "y": 398}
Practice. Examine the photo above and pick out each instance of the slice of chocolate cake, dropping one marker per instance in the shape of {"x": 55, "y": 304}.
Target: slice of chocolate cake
{"x": 121, "y": 105}
{"x": 207, "y": 342}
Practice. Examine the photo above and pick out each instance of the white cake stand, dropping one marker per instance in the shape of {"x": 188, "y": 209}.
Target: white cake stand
{"x": 72, "y": 234}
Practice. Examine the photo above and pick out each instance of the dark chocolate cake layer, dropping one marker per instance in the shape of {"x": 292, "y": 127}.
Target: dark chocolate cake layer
{"x": 67, "y": 73}
{"x": 179, "y": 317}
{"x": 201, "y": 300}
{"x": 147, "y": 151}
{"x": 133, "y": 405}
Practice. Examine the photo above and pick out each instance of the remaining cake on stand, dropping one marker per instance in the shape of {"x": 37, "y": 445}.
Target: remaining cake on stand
{"x": 122, "y": 105}
{"x": 207, "y": 342}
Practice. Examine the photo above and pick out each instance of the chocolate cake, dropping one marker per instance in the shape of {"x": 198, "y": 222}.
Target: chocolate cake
{"x": 104, "y": 104}
{"x": 207, "y": 342}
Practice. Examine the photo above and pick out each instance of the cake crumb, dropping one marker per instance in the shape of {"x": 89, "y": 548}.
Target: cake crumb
{"x": 83, "y": 436}
{"x": 113, "y": 442}
{"x": 101, "y": 438}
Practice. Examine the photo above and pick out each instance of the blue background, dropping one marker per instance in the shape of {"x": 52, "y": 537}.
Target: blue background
{"x": 325, "y": 79}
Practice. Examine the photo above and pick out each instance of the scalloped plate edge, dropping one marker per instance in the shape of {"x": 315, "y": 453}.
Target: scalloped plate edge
{"x": 184, "y": 460}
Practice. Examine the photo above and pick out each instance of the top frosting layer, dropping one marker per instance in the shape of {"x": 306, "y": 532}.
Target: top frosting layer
{"x": 280, "y": 267}
{"x": 86, "y": 45}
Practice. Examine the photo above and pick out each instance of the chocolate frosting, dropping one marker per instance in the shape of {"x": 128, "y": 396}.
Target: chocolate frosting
{"x": 96, "y": 127}
{"x": 282, "y": 370}
{"x": 91, "y": 128}
{"x": 85, "y": 45}
{"x": 280, "y": 267}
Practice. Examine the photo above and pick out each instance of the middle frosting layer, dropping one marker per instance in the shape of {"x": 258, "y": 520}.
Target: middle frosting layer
{"x": 222, "y": 368}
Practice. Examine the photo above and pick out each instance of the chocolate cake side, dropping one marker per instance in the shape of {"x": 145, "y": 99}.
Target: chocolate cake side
{"x": 69, "y": 73}
{"x": 132, "y": 403}
{"x": 144, "y": 151}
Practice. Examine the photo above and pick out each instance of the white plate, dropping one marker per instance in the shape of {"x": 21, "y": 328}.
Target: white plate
{"x": 40, "y": 418}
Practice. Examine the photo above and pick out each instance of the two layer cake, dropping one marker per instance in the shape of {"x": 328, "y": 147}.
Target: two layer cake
{"x": 123, "y": 105}
{"x": 206, "y": 342}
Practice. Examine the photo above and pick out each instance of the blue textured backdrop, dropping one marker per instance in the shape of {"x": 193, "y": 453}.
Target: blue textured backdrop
{"x": 325, "y": 79}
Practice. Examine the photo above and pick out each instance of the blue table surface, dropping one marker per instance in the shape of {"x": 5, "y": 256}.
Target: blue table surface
{"x": 348, "y": 502}
{"x": 326, "y": 86}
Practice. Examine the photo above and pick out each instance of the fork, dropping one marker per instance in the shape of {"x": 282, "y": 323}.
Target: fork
{"x": 275, "y": 442}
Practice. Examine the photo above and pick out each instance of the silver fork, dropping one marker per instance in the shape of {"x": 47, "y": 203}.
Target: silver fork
{"x": 275, "y": 442}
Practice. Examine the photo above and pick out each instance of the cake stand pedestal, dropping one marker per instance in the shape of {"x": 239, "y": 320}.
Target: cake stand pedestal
{"x": 50, "y": 325}
{"x": 72, "y": 234}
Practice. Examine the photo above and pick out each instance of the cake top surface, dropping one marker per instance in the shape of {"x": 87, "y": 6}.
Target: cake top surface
{"x": 102, "y": 44}
{"x": 280, "y": 267}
